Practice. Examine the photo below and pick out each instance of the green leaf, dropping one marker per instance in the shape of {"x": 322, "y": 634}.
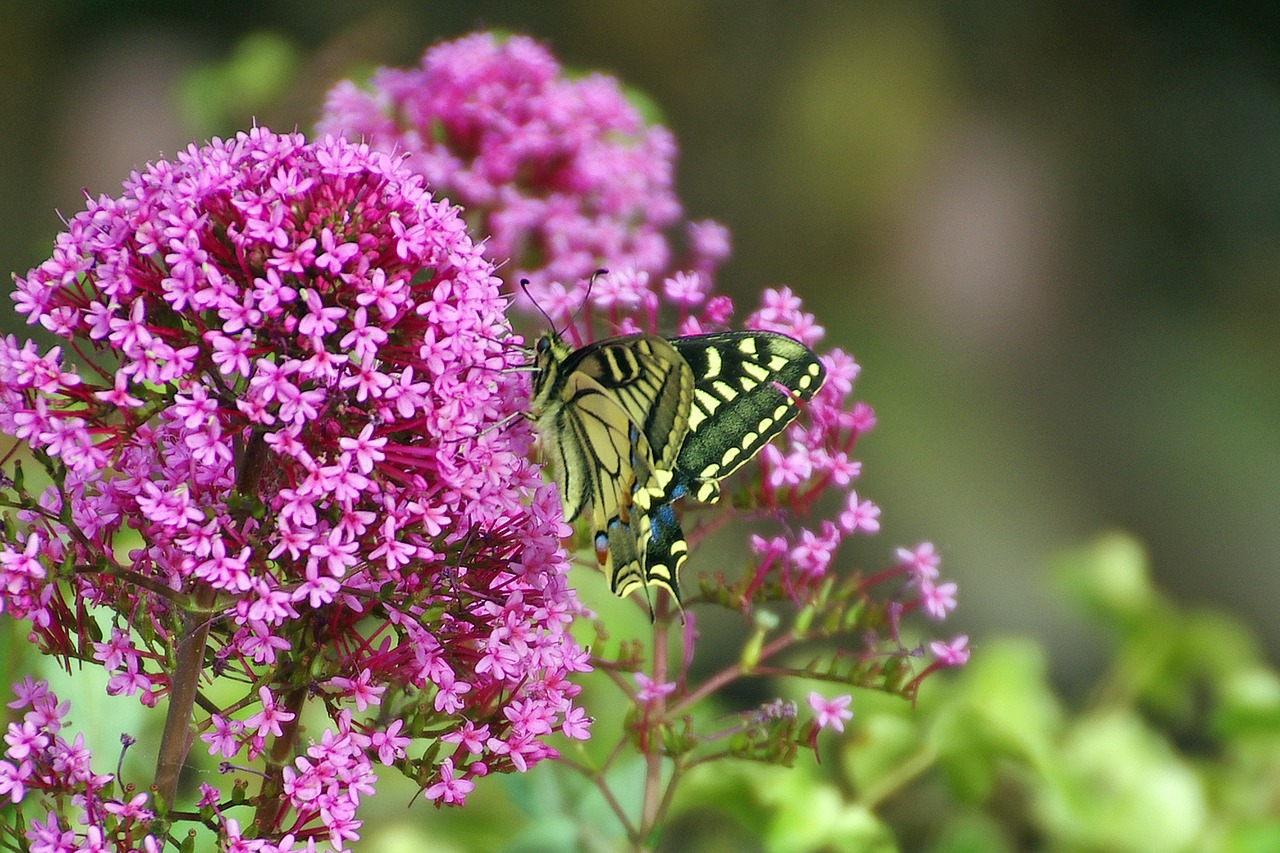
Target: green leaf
{"x": 1005, "y": 704}
{"x": 884, "y": 744}
{"x": 1109, "y": 577}
{"x": 1116, "y": 785}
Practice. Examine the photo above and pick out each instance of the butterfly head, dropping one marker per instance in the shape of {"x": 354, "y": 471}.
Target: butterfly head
{"x": 549, "y": 352}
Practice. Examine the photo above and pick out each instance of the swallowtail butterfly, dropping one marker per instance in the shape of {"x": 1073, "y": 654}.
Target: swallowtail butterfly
{"x": 631, "y": 424}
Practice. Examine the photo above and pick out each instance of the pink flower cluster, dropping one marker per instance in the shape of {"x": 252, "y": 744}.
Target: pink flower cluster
{"x": 294, "y": 357}
{"x": 561, "y": 174}
{"x": 39, "y": 759}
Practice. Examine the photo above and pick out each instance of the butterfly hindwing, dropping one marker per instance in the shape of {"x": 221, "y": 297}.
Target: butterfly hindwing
{"x": 666, "y": 549}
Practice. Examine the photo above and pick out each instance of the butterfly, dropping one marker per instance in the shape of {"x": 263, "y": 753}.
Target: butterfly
{"x": 631, "y": 424}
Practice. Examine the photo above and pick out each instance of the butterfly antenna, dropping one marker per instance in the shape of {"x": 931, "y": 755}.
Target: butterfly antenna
{"x": 524, "y": 285}
{"x": 586, "y": 298}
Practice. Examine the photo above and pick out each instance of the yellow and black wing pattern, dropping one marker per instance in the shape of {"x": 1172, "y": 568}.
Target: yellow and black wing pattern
{"x": 634, "y": 423}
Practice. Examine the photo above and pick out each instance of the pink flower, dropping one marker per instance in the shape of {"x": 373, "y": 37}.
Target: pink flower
{"x": 449, "y": 789}
{"x": 24, "y": 739}
{"x": 651, "y": 691}
{"x": 364, "y": 693}
{"x": 860, "y": 515}
{"x": 576, "y": 724}
{"x": 12, "y": 779}
{"x": 953, "y": 653}
{"x": 269, "y": 719}
{"x": 831, "y": 713}
{"x": 812, "y": 556}
{"x": 938, "y": 599}
{"x": 390, "y": 744}
{"x": 922, "y": 561}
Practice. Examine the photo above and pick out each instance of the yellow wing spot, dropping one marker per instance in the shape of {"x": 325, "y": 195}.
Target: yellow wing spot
{"x": 709, "y": 472}
{"x": 726, "y": 390}
{"x": 805, "y": 382}
{"x": 616, "y": 370}
{"x": 748, "y": 345}
{"x": 708, "y": 402}
{"x": 814, "y": 369}
{"x": 749, "y": 439}
{"x": 781, "y": 412}
{"x": 679, "y": 546}
{"x": 729, "y": 455}
{"x": 708, "y": 492}
{"x": 765, "y": 423}
{"x": 747, "y": 383}
{"x": 713, "y": 363}
{"x": 777, "y": 362}
{"x": 755, "y": 371}
{"x": 624, "y": 587}
{"x": 696, "y": 417}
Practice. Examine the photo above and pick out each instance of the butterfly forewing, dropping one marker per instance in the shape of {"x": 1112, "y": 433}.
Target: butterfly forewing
{"x": 645, "y": 376}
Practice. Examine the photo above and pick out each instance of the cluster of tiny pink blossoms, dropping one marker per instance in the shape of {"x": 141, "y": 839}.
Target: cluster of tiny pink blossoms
{"x": 291, "y": 358}
{"x": 87, "y": 816}
{"x": 560, "y": 173}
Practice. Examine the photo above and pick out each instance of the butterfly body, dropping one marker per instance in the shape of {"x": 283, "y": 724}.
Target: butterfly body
{"x": 632, "y": 424}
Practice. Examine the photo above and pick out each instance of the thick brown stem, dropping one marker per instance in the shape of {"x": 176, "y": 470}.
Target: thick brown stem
{"x": 175, "y": 743}
{"x": 184, "y": 681}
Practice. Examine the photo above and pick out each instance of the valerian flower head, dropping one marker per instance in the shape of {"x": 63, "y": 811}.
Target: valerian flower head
{"x": 561, "y": 172}
{"x": 289, "y": 358}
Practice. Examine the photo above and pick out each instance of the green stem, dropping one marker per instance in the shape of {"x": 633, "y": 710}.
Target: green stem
{"x": 653, "y": 751}
{"x": 905, "y": 772}
{"x": 597, "y": 779}
{"x": 728, "y": 674}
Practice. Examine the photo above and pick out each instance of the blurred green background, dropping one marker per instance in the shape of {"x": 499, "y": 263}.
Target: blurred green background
{"x": 1050, "y": 232}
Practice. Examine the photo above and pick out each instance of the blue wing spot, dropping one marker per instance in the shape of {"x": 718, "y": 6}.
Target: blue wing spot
{"x": 663, "y": 518}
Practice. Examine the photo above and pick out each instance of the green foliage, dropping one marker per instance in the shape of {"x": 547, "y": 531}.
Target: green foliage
{"x": 1176, "y": 748}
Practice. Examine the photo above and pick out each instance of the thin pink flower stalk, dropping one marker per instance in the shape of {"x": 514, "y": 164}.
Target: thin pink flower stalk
{"x": 274, "y": 464}
{"x": 567, "y": 178}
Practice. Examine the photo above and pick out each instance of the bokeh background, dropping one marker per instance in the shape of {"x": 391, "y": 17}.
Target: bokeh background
{"x": 1050, "y": 232}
